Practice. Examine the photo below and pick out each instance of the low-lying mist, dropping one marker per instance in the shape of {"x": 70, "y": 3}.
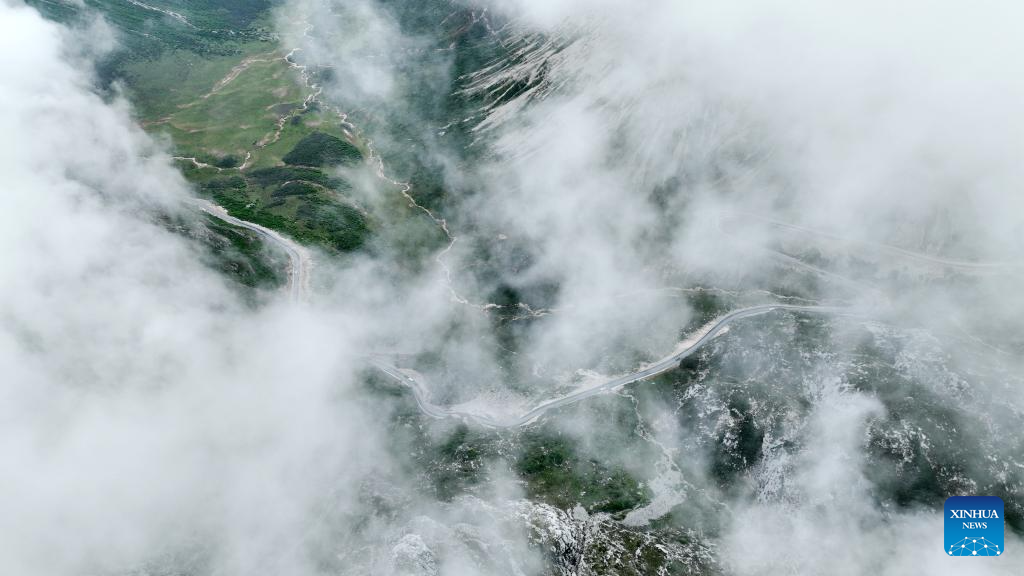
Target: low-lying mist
{"x": 612, "y": 175}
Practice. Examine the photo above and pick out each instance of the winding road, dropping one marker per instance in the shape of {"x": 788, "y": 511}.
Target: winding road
{"x": 300, "y": 264}
{"x": 299, "y": 267}
{"x": 299, "y": 260}
{"x": 415, "y": 381}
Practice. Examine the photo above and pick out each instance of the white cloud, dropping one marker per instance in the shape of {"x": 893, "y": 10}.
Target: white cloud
{"x": 143, "y": 410}
{"x": 892, "y": 127}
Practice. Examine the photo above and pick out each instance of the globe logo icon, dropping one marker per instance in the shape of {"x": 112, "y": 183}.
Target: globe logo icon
{"x": 974, "y": 547}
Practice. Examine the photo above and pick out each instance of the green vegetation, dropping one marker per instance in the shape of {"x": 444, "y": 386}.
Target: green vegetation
{"x": 150, "y": 31}
{"x": 319, "y": 149}
{"x": 203, "y": 26}
{"x": 738, "y": 447}
{"x": 210, "y": 76}
{"x": 238, "y": 114}
{"x": 556, "y": 473}
{"x": 255, "y": 112}
{"x": 243, "y": 256}
{"x": 280, "y": 174}
{"x": 239, "y": 254}
{"x": 459, "y": 462}
{"x": 300, "y": 209}
{"x": 294, "y": 189}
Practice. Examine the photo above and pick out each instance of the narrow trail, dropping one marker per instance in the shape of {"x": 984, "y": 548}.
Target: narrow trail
{"x": 523, "y": 311}
{"x": 163, "y": 11}
{"x": 279, "y": 125}
{"x": 197, "y": 163}
{"x": 405, "y": 189}
{"x": 856, "y": 286}
{"x": 234, "y": 73}
{"x": 315, "y": 91}
{"x": 922, "y": 257}
{"x": 314, "y": 96}
{"x": 377, "y": 161}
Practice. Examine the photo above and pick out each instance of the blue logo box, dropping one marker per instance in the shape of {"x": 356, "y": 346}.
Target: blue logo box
{"x": 974, "y": 526}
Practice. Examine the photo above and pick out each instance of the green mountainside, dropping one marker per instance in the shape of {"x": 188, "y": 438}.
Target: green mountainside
{"x": 243, "y": 119}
